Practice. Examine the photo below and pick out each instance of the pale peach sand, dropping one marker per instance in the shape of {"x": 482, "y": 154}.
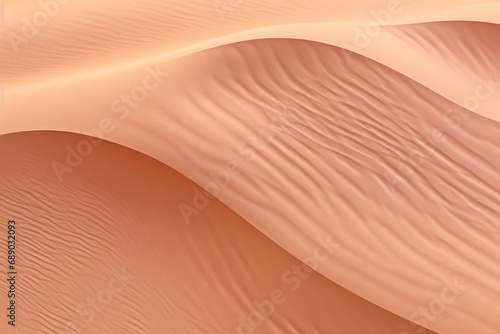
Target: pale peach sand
{"x": 389, "y": 147}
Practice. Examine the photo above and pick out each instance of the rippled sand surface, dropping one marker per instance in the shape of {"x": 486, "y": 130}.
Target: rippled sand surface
{"x": 251, "y": 166}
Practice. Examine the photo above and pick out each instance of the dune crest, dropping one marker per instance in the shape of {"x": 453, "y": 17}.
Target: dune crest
{"x": 224, "y": 143}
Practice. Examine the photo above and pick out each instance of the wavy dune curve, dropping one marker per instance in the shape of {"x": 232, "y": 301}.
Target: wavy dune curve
{"x": 78, "y": 240}
{"x": 303, "y": 140}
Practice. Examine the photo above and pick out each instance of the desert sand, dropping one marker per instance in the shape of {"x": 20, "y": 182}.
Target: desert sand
{"x": 251, "y": 167}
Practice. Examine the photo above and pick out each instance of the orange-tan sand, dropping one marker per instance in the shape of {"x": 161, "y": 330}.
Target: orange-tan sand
{"x": 171, "y": 165}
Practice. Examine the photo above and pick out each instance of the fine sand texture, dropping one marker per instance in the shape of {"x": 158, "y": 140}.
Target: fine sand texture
{"x": 248, "y": 167}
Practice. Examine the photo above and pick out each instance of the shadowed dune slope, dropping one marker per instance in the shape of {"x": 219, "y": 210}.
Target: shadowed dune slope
{"x": 107, "y": 252}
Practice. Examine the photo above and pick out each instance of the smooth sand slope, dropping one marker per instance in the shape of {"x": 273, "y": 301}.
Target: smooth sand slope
{"x": 119, "y": 218}
{"x": 301, "y": 131}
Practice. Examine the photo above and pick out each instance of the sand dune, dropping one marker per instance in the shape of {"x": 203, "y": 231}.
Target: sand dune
{"x": 178, "y": 278}
{"x": 207, "y": 149}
